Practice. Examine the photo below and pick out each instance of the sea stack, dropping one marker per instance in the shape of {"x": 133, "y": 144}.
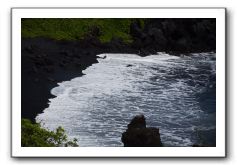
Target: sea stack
{"x": 138, "y": 135}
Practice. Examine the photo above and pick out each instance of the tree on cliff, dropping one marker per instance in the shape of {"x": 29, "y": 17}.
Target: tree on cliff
{"x": 32, "y": 135}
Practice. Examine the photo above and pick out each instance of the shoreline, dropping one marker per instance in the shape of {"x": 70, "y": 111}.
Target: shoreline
{"x": 46, "y": 62}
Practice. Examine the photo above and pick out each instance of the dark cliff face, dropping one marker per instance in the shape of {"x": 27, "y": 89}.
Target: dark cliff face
{"x": 170, "y": 34}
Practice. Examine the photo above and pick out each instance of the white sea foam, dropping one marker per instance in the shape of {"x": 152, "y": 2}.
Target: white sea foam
{"x": 97, "y": 107}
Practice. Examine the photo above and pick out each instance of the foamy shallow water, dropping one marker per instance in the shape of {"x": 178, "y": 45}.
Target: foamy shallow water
{"x": 176, "y": 94}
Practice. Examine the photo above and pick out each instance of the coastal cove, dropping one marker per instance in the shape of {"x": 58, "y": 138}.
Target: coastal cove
{"x": 94, "y": 84}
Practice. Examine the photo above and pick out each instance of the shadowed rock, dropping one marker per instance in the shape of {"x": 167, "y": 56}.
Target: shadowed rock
{"x": 138, "y": 135}
{"x": 129, "y": 65}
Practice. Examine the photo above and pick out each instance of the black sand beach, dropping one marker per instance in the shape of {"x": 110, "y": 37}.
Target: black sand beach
{"x": 46, "y": 62}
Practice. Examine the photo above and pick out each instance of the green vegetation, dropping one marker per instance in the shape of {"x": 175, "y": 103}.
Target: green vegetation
{"x": 75, "y": 28}
{"x": 32, "y": 135}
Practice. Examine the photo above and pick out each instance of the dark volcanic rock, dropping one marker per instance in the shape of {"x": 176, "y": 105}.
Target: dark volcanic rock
{"x": 170, "y": 34}
{"x": 138, "y": 135}
{"x": 138, "y": 121}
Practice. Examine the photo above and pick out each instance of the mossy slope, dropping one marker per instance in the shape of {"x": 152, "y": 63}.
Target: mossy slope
{"x": 75, "y": 28}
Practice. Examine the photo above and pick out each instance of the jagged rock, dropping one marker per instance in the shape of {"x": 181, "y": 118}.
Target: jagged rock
{"x": 138, "y": 121}
{"x": 138, "y": 135}
{"x": 104, "y": 57}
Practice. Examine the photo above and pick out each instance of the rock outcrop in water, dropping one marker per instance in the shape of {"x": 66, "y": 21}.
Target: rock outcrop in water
{"x": 138, "y": 135}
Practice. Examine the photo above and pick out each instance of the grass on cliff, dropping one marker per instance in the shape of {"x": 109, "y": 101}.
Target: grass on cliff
{"x": 78, "y": 28}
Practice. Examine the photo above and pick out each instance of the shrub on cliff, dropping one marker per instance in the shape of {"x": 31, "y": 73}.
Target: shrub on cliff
{"x": 32, "y": 135}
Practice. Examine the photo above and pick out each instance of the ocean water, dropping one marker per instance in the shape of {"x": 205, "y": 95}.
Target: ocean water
{"x": 176, "y": 94}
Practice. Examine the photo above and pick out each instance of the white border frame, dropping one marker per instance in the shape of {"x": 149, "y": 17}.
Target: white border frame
{"x": 218, "y": 151}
